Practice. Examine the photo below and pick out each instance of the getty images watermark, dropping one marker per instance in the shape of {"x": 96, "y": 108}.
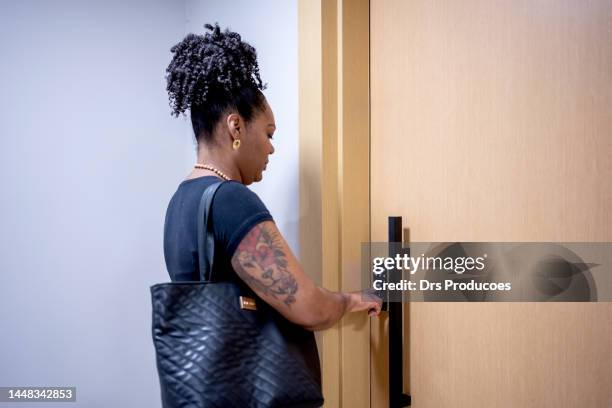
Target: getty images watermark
{"x": 489, "y": 271}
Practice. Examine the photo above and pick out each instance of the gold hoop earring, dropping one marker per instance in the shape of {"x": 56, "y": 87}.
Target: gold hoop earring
{"x": 236, "y": 144}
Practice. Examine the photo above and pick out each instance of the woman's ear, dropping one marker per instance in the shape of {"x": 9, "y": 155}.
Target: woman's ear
{"x": 235, "y": 125}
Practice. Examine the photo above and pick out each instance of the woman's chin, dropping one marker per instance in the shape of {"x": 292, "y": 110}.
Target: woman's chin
{"x": 258, "y": 177}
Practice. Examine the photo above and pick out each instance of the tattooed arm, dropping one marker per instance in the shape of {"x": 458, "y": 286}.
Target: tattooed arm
{"x": 265, "y": 262}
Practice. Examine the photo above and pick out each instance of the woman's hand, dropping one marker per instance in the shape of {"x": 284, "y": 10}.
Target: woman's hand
{"x": 364, "y": 300}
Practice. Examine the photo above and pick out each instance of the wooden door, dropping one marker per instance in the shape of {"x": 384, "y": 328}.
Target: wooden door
{"x": 492, "y": 121}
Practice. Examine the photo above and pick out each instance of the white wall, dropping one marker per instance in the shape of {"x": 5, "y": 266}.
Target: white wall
{"x": 89, "y": 157}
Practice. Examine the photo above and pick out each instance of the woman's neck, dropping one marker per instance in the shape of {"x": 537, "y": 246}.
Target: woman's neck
{"x": 220, "y": 161}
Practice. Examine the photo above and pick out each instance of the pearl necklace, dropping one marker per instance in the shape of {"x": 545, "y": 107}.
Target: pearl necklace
{"x": 214, "y": 170}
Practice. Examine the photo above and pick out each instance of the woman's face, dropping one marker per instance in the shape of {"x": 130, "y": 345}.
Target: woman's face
{"x": 256, "y": 146}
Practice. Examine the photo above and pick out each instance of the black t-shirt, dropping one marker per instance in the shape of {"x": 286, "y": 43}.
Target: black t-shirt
{"x": 235, "y": 210}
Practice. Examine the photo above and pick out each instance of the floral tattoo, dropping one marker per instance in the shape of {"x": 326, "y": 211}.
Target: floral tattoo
{"x": 262, "y": 264}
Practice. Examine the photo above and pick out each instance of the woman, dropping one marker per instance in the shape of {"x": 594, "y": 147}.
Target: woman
{"x": 216, "y": 78}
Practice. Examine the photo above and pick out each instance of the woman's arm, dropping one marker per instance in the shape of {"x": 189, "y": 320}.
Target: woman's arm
{"x": 265, "y": 262}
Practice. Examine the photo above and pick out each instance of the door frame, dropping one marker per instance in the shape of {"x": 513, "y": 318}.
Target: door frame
{"x": 334, "y": 172}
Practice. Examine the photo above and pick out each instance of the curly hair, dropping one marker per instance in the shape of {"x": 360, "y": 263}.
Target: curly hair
{"x": 210, "y": 74}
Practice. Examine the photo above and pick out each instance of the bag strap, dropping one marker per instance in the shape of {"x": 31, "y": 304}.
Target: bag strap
{"x": 206, "y": 237}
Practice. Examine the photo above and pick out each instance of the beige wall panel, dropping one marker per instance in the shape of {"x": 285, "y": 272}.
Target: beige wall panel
{"x": 334, "y": 188}
{"x": 491, "y": 121}
{"x": 353, "y": 136}
{"x": 319, "y": 238}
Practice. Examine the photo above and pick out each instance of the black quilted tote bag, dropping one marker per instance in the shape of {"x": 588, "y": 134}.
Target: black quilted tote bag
{"x": 218, "y": 345}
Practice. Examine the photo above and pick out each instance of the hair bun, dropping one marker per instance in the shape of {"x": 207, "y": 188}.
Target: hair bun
{"x": 217, "y": 60}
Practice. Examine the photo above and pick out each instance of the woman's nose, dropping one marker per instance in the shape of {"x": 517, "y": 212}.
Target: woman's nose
{"x": 271, "y": 148}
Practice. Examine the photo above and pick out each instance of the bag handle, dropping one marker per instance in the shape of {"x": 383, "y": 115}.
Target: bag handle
{"x": 206, "y": 237}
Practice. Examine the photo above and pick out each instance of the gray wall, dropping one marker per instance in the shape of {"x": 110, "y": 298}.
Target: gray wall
{"x": 89, "y": 157}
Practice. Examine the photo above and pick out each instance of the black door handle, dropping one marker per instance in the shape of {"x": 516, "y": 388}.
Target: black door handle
{"x": 397, "y": 398}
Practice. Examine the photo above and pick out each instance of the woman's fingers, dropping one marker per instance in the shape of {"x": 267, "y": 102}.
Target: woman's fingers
{"x": 375, "y": 310}
{"x": 376, "y": 303}
{"x": 365, "y": 300}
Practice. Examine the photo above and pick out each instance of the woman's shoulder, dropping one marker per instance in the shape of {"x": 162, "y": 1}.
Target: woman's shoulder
{"x": 230, "y": 196}
{"x": 237, "y": 193}
{"x": 236, "y": 209}
{"x": 233, "y": 186}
